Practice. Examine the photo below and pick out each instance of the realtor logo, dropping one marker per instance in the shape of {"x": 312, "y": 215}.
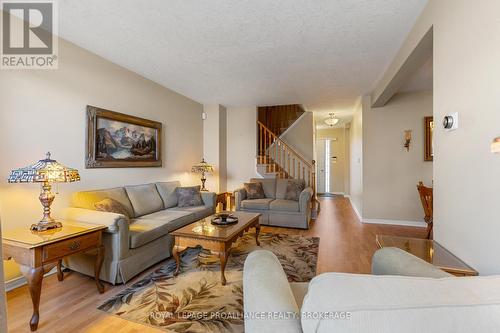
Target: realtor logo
{"x": 28, "y": 40}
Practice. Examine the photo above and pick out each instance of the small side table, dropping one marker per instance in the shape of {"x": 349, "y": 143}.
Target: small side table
{"x": 223, "y": 198}
{"x": 430, "y": 251}
{"x": 39, "y": 252}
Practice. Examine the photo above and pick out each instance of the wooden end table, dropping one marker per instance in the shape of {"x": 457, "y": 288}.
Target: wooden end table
{"x": 38, "y": 252}
{"x": 430, "y": 251}
{"x": 214, "y": 238}
{"x": 226, "y": 199}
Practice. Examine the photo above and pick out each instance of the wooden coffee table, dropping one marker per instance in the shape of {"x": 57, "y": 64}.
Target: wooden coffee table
{"x": 430, "y": 251}
{"x": 214, "y": 238}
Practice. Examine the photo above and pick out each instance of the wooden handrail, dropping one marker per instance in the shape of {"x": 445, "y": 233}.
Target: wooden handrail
{"x": 276, "y": 138}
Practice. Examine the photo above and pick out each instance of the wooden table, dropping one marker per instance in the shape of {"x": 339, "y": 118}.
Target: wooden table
{"x": 214, "y": 238}
{"x": 430, "y": 251}
{"x": 226, "y": 199}
{"x": 39, "y": 252}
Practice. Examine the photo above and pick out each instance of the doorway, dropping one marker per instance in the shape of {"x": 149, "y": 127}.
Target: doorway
{"x": 326, "y": 160}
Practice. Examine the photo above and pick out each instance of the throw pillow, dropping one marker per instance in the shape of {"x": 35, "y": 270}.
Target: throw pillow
{"x": 189, "y": 196}
{"x": 293, "y": 190}
{"x": 254, "y": 191}
{"x": 111, "y": 206}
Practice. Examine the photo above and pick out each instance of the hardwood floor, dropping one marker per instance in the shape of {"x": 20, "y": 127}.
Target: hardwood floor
{"x": 346, "y": 245}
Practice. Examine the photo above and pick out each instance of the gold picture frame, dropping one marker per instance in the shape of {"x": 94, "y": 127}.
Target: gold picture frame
{"x": 117, "y": 140}
{"x": 428, "y": 146}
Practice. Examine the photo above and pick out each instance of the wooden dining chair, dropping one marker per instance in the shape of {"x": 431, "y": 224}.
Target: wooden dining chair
{"x": 426, "y": 199}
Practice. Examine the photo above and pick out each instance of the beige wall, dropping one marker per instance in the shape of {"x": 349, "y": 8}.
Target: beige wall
{"x": 300, "y": 136}
{"x": 339, "y": 176}
{"x": 3, "y": 301}
{"x": 222, "y": 149}
{"x": 466, "y": 80}
{"x": 390, "y": 173}
{"x": 45, "y": 110}
{"x": 241, "y": 145}
{"x": 356, "y": 159}
{"x": 215, "y": 146}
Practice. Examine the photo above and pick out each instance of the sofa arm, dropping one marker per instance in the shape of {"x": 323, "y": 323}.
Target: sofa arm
{"x": 395, "y": 261}
{"x": 269, "y": 303}
{"x": 305, "y": 199}
{"x": 112, "y": 220}
{"x": 116, "y": 238}
{"x": 209, "y": 198}
{"x": 239, "y": 195}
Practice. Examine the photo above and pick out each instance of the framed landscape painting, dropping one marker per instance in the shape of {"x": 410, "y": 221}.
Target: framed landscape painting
{"x": 117, "y": 140}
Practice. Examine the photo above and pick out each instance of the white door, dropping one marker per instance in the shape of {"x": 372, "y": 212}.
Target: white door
{"x": 326, "y": 163}
{"x": 320, "y": 164}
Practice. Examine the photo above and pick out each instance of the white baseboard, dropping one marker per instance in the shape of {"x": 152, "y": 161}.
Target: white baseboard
{"x": 358, "y": 214}
{"x": 21, "y": 281}
{"x": 419, "y": 224}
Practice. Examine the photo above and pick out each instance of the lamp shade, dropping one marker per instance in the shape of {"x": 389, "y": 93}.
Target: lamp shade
{"x": 202, "y": 167}
{"x": 47, "y": 170}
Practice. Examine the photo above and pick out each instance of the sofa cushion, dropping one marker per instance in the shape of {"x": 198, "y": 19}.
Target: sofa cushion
{"x": 254, "y": 191}
{"x": 144, "y": 230}
{"x": 198, "y": 211}
{"x": 284, "y": 205}
{"x": 189, "y": 196}
{"x": 168, "y": 193}
{"x": 87, "y": 199}
{"x": 389, "y": 303}
{"x": 293, "y": 189}
{"x": 111, "y": 206}
{"x": 260, "y": 204}
{"x": 268, "y": 184}
{"x": 282, "y": 186}
{"x": 145, "y": 199}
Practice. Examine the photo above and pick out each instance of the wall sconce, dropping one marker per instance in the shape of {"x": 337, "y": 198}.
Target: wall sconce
{"x": 495, "y": 146}
{"x": 407, "y": 140}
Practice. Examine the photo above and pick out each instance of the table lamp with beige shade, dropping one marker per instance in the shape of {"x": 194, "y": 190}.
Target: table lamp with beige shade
{"x": 202, "y": 168}
{"x": 46, "y": 172}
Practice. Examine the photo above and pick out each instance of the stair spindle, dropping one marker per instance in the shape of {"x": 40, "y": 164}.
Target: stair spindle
{"x": 288, "y": 158}
{"x": 261, "y": 142}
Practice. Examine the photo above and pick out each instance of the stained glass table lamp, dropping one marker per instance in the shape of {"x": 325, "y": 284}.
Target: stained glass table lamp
{"x": 202, "y": 168}
{"x": 46, "y": 172}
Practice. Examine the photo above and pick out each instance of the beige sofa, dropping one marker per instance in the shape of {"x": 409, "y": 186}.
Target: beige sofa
{"x": 275, "y": 210}
{"x": 415, "y": 297}
{"x": 132, "y": 245}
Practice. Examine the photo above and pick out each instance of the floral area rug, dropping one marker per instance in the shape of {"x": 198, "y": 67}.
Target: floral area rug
{"x": 195, "y": 301}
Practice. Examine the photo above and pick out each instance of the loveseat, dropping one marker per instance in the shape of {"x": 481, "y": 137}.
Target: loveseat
{"x": 275, "y": 209}
{"x": 139, "y": 237}
{"x": 408, "y": 296}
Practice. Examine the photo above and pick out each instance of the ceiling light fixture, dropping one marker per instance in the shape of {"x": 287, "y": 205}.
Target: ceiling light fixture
{"x": 332, "y": 121}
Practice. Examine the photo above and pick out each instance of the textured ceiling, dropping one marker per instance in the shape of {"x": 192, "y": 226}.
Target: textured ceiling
{"x": 320, "y": 53}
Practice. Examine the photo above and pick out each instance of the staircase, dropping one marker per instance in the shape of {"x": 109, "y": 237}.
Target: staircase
{"x": 279, "y": 117}
{"x": 276, "y": 159}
